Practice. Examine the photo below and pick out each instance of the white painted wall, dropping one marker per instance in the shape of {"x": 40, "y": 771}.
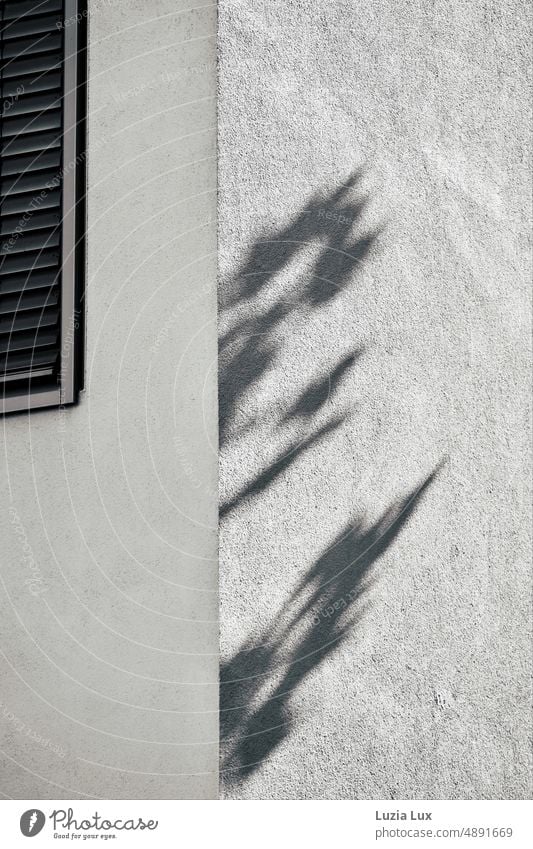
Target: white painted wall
{"x": 109, "y": 634}
{"x": 361, "y": 344}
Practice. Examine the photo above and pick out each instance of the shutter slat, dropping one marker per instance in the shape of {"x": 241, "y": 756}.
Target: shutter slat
{"x": 32, "y": 374}
{"x": 15, "y": 365}
{"x": 28, "y": 262}
{"x": 28, "y": 282}
{"x": 34, "y": 122}
{"x": 30, "y": 301}
{"x": 28, "y": 163}
{"x": 37, "y": 221}
{"x": 24, "y": 66}
{"x": 22, "y": 183}
{"x": 28, "y": 103}
{"x": 21, "y": 203}
{"x": 25, "y": 26}
{"x": 26, "y": 47}
{"x": 28, "y": 341}
{"x": 17, "y": 9}
{"x": 16, "y": 87}
{"x": 26, "y": 144}
{"x": 22, "y": 320}
{"x": 24, "y": 242}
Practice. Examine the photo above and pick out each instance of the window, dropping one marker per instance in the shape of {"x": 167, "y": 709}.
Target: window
{"x": 42, "y": 201}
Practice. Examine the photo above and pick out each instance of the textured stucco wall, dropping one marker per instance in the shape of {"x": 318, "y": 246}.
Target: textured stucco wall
{"x": 374, "y": 267}
{"x": 109, "y": 667}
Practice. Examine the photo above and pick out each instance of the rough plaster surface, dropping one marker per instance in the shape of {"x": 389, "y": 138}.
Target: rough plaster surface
{"x": 374, "y": 327}
{"x": 109, "y": 667}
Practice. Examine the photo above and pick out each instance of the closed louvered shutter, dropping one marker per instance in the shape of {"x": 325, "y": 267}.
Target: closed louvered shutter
{"x": 42, "y": 152}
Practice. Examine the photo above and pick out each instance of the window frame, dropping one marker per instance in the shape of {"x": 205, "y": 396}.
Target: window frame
{"x": 73, "y": 222}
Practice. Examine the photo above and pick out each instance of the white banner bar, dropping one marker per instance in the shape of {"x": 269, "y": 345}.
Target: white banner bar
{"x": 262, "y": 825}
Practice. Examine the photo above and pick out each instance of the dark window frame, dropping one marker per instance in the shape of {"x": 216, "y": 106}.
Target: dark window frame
{"x": 73, "y": 224}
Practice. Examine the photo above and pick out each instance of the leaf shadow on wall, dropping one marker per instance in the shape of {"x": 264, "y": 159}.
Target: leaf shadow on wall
{"x": 257, "y": 683}
{"x": 317, "y": 619}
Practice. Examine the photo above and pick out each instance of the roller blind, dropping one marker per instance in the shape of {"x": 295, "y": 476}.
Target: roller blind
{"x": 42, "y": 210}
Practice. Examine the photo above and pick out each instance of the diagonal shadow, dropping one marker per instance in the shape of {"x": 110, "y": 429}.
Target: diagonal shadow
{"x": 319, "y": 392}
{"x": 257, "y": 684}
{"x": 268, "y": 475}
